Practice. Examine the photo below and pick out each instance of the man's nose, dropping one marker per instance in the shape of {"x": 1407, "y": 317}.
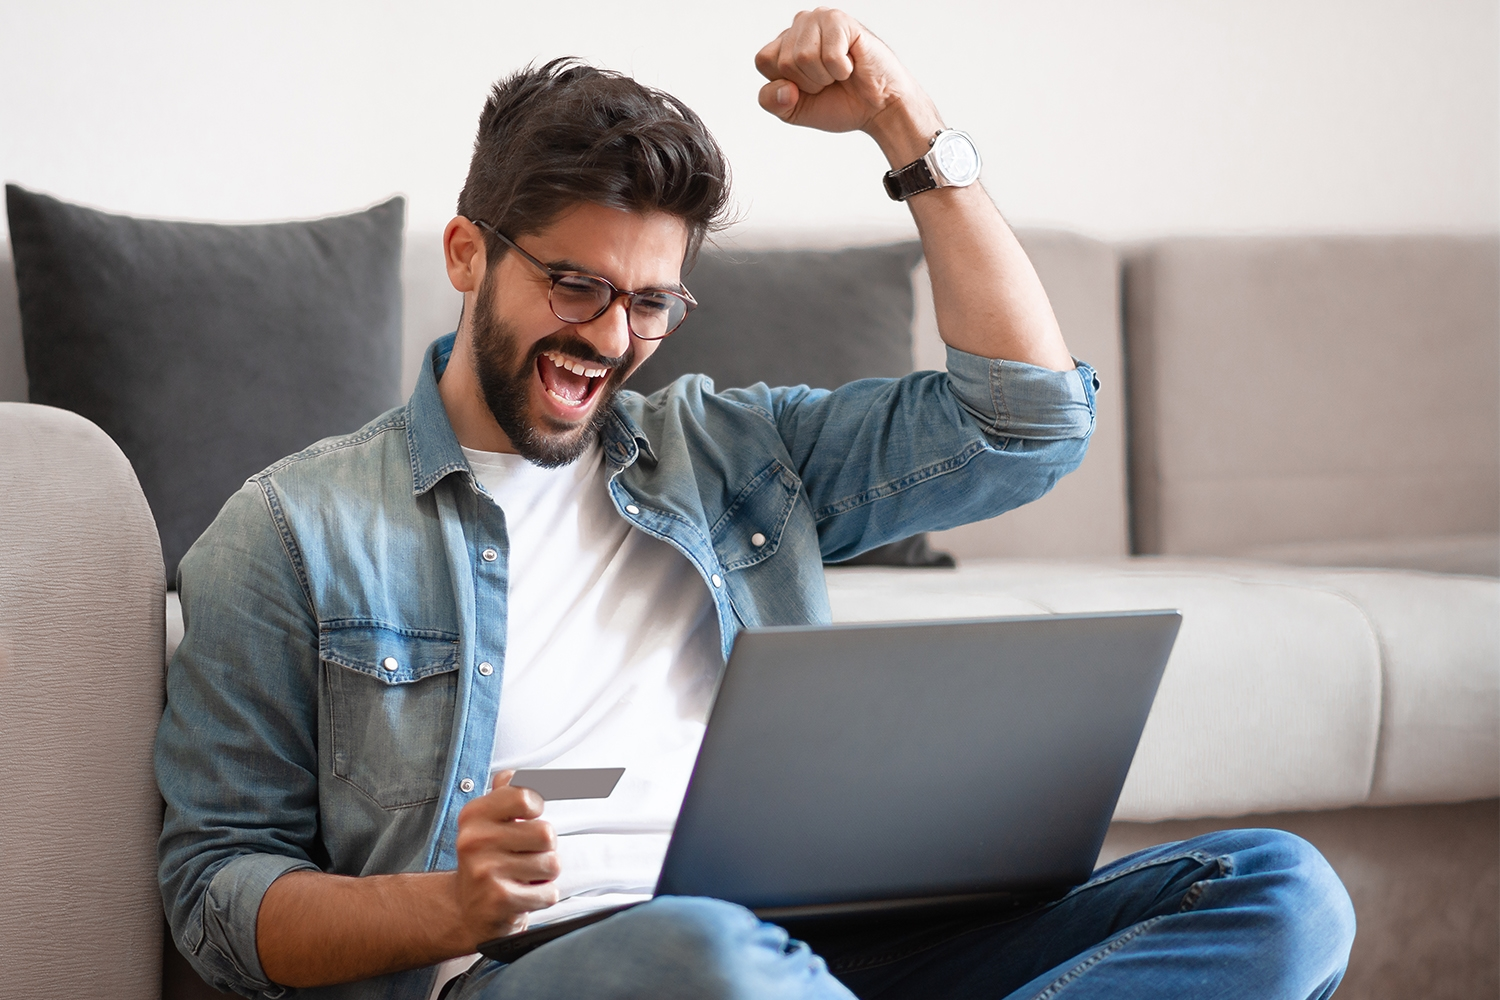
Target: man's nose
{"x": 609, "y": 332}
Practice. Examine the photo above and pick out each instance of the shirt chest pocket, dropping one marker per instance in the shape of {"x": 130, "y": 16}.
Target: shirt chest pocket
{"x": 750, "y": 529}
{"x": 390, "y": 698}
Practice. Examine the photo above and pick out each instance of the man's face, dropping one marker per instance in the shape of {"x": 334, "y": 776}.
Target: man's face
{"x": 549, "y": 383}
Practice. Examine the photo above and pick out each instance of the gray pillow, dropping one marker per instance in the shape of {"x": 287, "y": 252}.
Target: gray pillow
{"x": 800, "y": 317}
{"x": 208, "y": 351}
{"x": 793, "y": 317}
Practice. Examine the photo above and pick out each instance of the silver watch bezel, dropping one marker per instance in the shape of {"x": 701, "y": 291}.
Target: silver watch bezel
{"x": 942, "y": 179}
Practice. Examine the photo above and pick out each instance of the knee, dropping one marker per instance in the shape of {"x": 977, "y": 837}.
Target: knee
{"x": 1298, "y": 894}
{"x": 673, "y": 946}
{"x": 693, "y": 930}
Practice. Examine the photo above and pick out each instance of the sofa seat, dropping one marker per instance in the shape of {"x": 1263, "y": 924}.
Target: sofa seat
{"x": 1289, "y": 689}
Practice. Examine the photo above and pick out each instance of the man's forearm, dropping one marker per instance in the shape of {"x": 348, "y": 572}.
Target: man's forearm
{"x": 315, "y": 929}
{"x": 828, "y": 72}
{"x": 987, "y": 296}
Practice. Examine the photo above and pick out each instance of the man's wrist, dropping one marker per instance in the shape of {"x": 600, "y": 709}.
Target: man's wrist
{"x": 904, "y": 129}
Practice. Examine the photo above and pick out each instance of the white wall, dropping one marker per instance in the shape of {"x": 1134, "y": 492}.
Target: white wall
{"x": 1119, "y": 119}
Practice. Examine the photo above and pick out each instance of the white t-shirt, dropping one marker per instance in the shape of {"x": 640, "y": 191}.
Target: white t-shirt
{"x": 611, "y": 657}
{"x": 611, "y": 654}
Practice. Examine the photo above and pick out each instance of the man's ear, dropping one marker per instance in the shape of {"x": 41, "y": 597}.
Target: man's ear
{"x": 464, "y": 254}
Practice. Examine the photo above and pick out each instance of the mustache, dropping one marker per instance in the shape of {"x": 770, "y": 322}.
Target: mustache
{"x": 576, "y": 347}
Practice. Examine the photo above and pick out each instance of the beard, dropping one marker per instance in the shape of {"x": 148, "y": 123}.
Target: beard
{"x": 506, "y": 374}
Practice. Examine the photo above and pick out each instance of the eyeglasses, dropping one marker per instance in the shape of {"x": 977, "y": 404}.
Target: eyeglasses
{"x": 650, "y": 314}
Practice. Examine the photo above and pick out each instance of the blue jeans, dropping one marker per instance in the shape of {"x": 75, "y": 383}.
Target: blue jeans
{"x": 1243, "y": 913}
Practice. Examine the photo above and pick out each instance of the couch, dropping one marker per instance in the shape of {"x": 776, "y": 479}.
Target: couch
{"x": 1297, "y": 445}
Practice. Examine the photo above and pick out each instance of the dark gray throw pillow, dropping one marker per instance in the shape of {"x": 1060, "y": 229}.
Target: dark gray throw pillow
{"x": 208, "y": 351}
{"x": 799, "y": 317}
{"x": 793, "y": 317}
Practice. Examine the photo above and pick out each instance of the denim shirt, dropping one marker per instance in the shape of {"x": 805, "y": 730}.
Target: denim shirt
{"x": 333, "y": 701}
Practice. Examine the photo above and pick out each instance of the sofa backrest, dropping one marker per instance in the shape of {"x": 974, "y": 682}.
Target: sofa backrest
{"x": 1293, "y": 396}
{"x": 1320, "y": 400}
{"x": 81, "y": 633}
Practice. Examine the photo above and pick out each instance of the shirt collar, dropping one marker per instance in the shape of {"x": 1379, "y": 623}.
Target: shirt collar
{"x": 429, "y": 436}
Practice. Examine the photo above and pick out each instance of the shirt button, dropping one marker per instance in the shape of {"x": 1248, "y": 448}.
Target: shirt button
{"x": 631, "y": 508}
{"x": 489, "y": 555}
{"x": 718, "y": 580}
{"x": 486, "y": 669}
{"x": 757, "y": 539}
{"x": 467, "y": 785}
{"x": 390, "y": 663}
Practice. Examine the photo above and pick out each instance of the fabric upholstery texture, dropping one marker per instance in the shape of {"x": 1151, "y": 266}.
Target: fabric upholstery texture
{"x": 1298, "y": 390}
{"x": 81, "y": 589}
{"x": 207, "y": 352}
{"x": 1288, "y": 688}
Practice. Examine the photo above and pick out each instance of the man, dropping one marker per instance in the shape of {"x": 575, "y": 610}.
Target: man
{"x": 336, "y": 749}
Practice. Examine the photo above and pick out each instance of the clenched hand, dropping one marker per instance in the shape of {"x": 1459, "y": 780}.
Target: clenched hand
{"x": 507, "y": 861}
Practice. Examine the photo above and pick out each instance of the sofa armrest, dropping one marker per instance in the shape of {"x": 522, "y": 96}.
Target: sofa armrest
{"x": 81, "y": 664}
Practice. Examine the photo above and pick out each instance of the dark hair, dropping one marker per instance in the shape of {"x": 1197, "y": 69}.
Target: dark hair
{"x": 568, "y": 132}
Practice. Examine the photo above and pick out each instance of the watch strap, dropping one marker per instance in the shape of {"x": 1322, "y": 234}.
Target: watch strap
{"x": 914, "y": 178}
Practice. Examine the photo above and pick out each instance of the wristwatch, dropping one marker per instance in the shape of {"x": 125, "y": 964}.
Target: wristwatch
{"x": 952, "y": 160}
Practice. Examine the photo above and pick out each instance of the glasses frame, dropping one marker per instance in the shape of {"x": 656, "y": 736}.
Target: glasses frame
{"x": 554, "y": 276}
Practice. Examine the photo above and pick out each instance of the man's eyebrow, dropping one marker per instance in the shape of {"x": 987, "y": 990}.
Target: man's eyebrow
{"x": 576, "y": 268}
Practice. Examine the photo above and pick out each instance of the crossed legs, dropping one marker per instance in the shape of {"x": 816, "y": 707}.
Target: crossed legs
{"x": 1237, "y": 914}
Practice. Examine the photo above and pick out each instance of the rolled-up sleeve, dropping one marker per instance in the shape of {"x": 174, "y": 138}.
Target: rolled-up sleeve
{"x": 227, "y": 917}
{"x": 1014, "y": 399}
{"x": 882, "y": 459}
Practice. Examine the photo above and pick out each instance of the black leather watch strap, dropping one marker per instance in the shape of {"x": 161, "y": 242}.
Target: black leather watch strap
{"x": 914, "y": 178}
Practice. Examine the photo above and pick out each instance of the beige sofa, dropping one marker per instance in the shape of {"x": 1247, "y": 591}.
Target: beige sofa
{"x": 1310, "y": 473}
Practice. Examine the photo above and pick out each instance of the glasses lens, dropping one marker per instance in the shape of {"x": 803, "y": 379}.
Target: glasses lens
{"x": 578, "y": 298}
{"x": 653, "y": 315}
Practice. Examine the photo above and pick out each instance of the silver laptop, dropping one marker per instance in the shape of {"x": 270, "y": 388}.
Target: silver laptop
{"x": 911, "y": 766}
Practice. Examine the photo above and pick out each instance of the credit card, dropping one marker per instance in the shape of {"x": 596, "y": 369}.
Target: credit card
{"x": 554, "y": 783}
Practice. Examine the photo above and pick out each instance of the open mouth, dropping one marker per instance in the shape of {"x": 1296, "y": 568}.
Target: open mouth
{"x": 571, "y": 383}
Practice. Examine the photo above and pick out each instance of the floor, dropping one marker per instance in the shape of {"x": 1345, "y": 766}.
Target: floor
{"x": 1425, "y": 881}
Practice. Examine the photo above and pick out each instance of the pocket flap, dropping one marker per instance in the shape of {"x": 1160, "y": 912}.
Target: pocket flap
{"x": 394, "y": 655}
{"x": 751, "y": 529}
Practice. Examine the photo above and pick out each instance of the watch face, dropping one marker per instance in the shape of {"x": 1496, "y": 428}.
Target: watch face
{"x": 957, "y": 158}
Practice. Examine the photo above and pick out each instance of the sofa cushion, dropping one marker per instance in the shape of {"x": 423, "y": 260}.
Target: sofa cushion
{"x": 1440, "y": 707}
{"x": 12, "y": 357}
{"x": 207, "y": 351}
{"x": 792, "y": 317}
{"x": 1287, "y": 391}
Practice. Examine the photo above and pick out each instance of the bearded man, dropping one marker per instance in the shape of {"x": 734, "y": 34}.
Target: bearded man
{"x": 529, "y": 565}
